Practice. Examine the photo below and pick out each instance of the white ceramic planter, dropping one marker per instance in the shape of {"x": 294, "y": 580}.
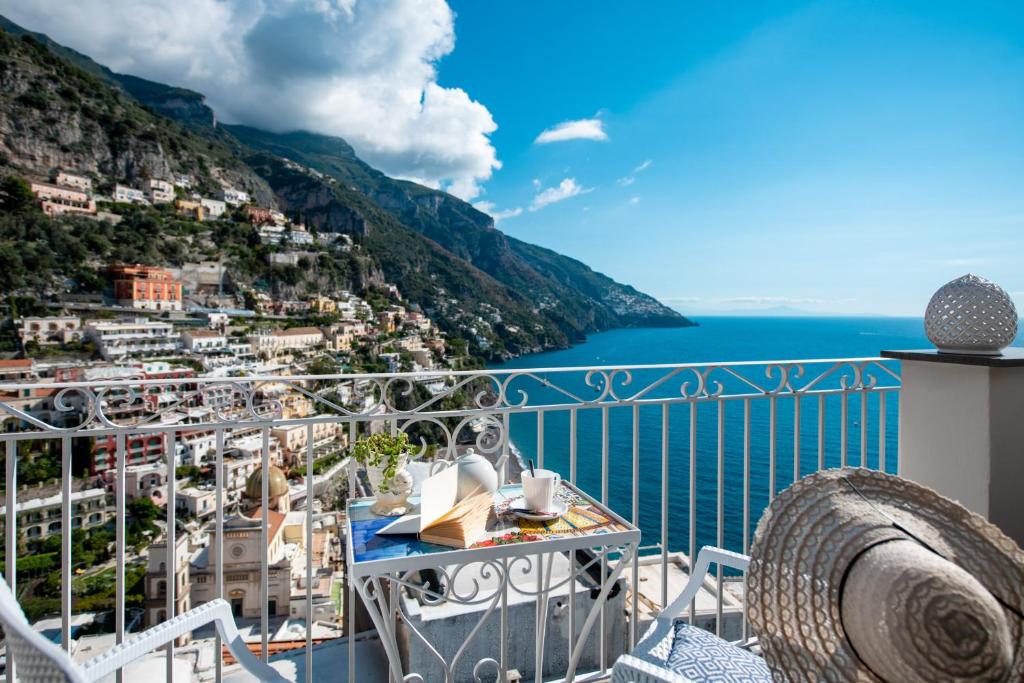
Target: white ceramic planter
{"x": 394, "y": 501}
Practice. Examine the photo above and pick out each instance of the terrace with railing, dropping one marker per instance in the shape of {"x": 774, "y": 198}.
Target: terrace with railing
{"x": 690, "y": 454}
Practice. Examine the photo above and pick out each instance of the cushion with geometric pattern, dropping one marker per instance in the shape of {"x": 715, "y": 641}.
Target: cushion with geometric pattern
{"x": 702, "y": 656}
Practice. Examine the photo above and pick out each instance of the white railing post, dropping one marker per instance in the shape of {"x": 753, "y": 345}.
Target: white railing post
{"x": 961, "y": 429}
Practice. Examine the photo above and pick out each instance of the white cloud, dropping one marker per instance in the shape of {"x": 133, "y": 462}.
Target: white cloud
{"x": 634, "y": 200}
{"x": 366, "y": 71}
{"x": 626, "y": 181}
{"x": 564, "y": 190}
{"x": 582, "y": 129}
{"x": 491, "y": 210}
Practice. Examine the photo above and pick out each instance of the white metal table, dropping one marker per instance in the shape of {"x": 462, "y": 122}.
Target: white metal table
{"x": 380, "y": 566}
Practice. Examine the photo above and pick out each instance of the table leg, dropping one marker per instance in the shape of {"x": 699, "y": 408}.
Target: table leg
{"x": 597, "y": 609}
{"x": 381, "y": 615}
{"x": 543, "y": 591}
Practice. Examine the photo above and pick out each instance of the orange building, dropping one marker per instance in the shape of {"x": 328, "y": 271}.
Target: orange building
{"x": 146, "y": 287}
{"x": 257, "y": 215}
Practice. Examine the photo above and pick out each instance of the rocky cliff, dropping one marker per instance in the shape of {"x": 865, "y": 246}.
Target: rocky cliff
{"x": 60, "y": 109}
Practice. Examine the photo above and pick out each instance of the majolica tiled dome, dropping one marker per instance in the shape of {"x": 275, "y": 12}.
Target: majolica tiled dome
{"x": 971, "y": 315}
{"x": 254, "y": 484}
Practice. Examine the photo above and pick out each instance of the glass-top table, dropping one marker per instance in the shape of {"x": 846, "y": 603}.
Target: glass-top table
{"x": 379, "y": 566}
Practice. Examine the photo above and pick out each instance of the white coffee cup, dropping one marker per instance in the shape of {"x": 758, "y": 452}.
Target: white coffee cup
{"x": 539, "y": 489}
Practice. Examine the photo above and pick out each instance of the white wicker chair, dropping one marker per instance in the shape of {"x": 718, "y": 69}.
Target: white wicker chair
{"x": 650, "y": 661}
{"x": 37, "y": 660}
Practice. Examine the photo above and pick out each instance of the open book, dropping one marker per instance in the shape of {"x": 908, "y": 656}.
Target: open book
{"x": 444, "y": 519}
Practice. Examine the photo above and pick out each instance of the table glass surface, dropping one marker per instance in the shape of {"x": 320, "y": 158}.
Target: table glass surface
{"x": 585, "y": 517}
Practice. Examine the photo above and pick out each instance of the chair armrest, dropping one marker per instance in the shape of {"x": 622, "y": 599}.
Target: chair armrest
{"x": 216, "y": 611}
{"x": 698, "y": 574}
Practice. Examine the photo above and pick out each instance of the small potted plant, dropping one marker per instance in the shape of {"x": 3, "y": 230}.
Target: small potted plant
{"x": 384, "y": 457}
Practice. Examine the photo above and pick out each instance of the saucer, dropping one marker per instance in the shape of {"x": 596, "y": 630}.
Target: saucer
{"x": 558, "y": 508}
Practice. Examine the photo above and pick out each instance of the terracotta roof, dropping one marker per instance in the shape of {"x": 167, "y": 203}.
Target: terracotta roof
{"x": 16, "y": 363}
{"x": 275, "y": 520}
{"x": 204, "y": 333}
{"x": 273, "y": 648}
{"x": 296, "y": 331}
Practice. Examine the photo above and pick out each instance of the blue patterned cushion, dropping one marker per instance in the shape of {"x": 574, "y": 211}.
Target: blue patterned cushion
{"x": 702, "y": 656}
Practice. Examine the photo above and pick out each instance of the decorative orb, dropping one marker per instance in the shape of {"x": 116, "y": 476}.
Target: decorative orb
{"x": 971, "y": 315}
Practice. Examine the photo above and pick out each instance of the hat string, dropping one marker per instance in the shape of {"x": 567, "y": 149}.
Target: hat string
{"x": 899, "y": 527}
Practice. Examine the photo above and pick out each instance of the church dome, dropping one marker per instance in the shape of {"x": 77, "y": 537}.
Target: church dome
{"x": 254, "y": 484}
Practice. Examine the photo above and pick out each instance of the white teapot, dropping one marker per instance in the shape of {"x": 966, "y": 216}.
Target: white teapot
{"x": 476, "y": 474}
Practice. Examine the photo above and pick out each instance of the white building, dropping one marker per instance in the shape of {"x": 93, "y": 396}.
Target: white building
{"x": 79, "y": 182}
{"x": 53, "y": 329}
{"x": 195, "y": 447}
{"x": 240, "y": 348}
{"x": 41, "y": 517}
{"x": 159, "y": 191}
{"x": 234, "y": 197}
{"x": 138, "y": 337}
{"x": 294, "y": 438}
{"x": 140, "y": 481}
{"x": 237, "y": 471}
{"x": 204, "y": 341}
{"x": 200, "y": 503}
{"x": 129, "y": 195}
{"x": 251, "y": 447}
{"x": 213, "y": 208}
{"x": 294, "y": 339}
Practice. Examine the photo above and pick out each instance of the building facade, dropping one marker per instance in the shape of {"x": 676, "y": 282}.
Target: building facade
{"x": 124, "y": 194}
{"x": 156, "y": 587}
{"x": 40, "y": 517}
{"x": 234, "y": 197}
{"x": 159, "y": 191}
{"x": 55, "y": 200}
{"x": 140, "y": 449}
{"x": 53, "y": 329}
{"x": 146, "y": 288}
{"x": 78, "y": 182}
{"x": 140, "y": 481}
{"x": 204, "y": 341}
{"x": 213, "y": 208}
{"x": 140, "y": 337}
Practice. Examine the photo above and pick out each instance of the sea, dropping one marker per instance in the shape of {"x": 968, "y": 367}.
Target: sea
{"x": 716, "y": 339}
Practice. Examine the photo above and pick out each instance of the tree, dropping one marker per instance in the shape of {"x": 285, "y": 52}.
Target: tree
{"x": 16, "y": 195}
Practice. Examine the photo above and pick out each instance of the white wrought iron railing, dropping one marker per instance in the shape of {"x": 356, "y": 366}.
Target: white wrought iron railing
{"x": 690, "y": 453}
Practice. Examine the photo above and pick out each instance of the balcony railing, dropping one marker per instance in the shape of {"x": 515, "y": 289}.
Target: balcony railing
{"x": 691, "y": 454}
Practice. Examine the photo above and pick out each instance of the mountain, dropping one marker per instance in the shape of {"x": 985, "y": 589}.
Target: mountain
{"x": 582, "y": 299}
{"x": 181, "y": 104}
{"x": 61, "y": 109}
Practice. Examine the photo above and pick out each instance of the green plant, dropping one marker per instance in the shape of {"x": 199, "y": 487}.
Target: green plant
{"x": 381, "y": 450}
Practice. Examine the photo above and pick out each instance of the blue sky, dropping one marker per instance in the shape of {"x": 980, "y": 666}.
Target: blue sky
{"x": 832, "y": 157}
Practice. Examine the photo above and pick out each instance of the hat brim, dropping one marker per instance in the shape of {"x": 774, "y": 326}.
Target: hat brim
{"x": 811, "y": 534}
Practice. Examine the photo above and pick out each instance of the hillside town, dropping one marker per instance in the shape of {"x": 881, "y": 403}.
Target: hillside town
{"x": 180, "y": 324}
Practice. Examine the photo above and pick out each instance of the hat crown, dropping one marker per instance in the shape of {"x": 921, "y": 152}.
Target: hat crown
{"x": 913, "y": 616}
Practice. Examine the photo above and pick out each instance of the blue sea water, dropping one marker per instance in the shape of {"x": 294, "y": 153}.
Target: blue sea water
{"x": 716, "y": 339}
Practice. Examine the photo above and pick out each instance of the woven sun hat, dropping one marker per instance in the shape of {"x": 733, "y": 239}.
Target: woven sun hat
{"x": 857, "y": 575}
